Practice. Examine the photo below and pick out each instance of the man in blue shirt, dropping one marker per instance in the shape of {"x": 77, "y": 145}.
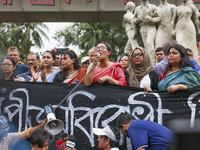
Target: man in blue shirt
{"x": 145, "y": 135}
{"x": 160, "y": 67}
{"x": 33, "y": 61}
{"x": 13, "y": 52}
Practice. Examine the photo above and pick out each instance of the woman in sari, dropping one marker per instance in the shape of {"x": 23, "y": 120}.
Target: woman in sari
{"x": 102, "y": 70}
{"x": 179, "y": 73}
{"x": 71, "y": 70}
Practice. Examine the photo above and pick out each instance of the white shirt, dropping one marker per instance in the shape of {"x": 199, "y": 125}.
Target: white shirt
{"x": 114, "y": 148}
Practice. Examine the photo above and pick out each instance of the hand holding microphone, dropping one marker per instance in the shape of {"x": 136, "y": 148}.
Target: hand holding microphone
{"x": 96, "y": 59}
{"x": 71, "y": 142}
{"x": 60, "y": 145}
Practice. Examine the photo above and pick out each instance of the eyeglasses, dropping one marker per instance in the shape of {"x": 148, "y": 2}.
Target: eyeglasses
{"x": 31, "y": 59}
{"x": 139, "y": 54}
{"x": 6, "y": 64}
{"x": 99, "y": 48}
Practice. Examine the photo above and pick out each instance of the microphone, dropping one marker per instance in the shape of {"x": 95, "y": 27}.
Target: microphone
{"x": 60, "y": 145}
{"x": 98, "y": 54}
{"x": 71, "y": 142}
{"x": 64, "y": 137}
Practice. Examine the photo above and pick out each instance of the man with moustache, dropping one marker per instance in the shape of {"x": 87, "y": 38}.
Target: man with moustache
{"x": 33, "y": 61}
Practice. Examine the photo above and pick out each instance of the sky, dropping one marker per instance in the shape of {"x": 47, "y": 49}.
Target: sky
{"x": 48, "y": 45}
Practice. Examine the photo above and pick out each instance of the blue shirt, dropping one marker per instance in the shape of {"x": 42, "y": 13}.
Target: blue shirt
{"x": 196, "y": 65}
{"x": 160, "y": 67}
{"x": 21, "y": 69}
{"x": 27, "y": 76}
{"x": 150, "y": 135}
{"x": 50, "y": 77}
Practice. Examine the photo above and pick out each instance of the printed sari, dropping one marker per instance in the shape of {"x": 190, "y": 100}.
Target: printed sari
{"x": 187, "y": 76}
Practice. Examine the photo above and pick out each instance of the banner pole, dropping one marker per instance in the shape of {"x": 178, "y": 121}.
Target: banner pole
{"x": 73, "y": 89}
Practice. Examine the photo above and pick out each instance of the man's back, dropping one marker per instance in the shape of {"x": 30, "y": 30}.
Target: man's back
{"x": 150, "y": 135}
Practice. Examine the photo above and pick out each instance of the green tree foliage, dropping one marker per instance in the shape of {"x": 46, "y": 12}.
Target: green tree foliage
{"x": 22, "y": 35}
{"x": 88, "y": 35}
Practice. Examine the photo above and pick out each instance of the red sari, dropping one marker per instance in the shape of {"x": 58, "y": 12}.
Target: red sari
{"x": 77, "y": 77}
{"x": 115, "y": 71}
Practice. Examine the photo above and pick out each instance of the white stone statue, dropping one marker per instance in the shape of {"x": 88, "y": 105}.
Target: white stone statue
{"x": 146, "y": 16}
{"x": 185, "y": 25}
{"x": 130, "y": 28}
{"x": 164, "y": 33}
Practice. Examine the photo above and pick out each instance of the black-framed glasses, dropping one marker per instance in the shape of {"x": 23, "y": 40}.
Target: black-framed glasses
{"x": 99, "y": 48}
{"x": 139, "y": 54}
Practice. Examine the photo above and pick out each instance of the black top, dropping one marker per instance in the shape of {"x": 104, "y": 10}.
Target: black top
{"x": 11, "y": 77}
{"x": 153, "y": 77}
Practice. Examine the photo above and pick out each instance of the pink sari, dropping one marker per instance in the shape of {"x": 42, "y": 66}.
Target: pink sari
{"x": 115, "y": 71}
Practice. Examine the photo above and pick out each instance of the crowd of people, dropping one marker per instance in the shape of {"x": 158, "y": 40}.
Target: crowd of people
{"x": 176, "y": 69}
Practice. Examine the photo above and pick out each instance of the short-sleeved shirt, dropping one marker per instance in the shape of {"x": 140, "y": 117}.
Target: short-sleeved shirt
{"x": 12, "y": 138}
{"x": 150, "y": 135}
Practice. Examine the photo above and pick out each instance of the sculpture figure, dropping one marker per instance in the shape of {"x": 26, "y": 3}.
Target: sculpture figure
{"x": 185, "y": 25}
{"x": 130, "y": 28}
{"x": 163, "y": 34}
{"x": 146, "y": 16}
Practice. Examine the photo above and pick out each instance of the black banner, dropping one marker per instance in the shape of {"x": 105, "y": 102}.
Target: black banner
{"x": 94, "y": 106}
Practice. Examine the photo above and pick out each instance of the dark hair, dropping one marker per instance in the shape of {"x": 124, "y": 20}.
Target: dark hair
{"x": 159, "y": 49}
{"x": 122, "y": 55}
{"x": 52, "y": 54}
{"x": 124, "y": 118}
{"x": 10, "y": 58}
{"x": 188, "y": 49}
{"x": 185, "y": 62}
{"x": 39, "y": 137}
{"x": 21, "y": 56}
{"x": 108, "y": 47}
{"x": 61, "y": 75}
{"x": 166, "y": 45}
{"x": 13, "y": 48}
{"x": 116, "y": 132}
{"x": 37, "y": 56}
